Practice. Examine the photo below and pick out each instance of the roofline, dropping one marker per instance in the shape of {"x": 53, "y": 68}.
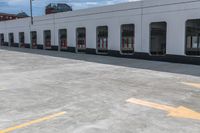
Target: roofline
{"x": 8, "y": 14}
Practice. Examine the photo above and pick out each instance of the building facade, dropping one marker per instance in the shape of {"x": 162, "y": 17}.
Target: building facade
{"x": 57, "y": 7}
{"x": 153, "y": 29}
{"x": 5, "y": 16}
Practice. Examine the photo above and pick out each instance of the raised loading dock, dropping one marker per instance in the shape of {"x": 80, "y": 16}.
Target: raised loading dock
{"x": 153, "y": 30}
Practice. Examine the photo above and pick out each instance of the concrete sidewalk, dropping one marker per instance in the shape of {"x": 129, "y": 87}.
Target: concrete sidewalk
{"x": 92, "y": 91}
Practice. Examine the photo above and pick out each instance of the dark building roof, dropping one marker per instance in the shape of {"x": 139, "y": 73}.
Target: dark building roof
{"x": 57, "y": 7}
{"x": 22, "y": 15}
{"x": 7, "y": 16}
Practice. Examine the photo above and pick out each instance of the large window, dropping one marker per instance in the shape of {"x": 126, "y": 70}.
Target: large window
{"x": 81, "y": 39}
{"x": 21, "y": 39}
{"x": 158, "y": 36}
{"x": 11, "y": 39}
{"x": 193, "y": 37}
{"x": 34, "y": 39}
{"x": 63, "y": 39}
{"x": 127, "y": 38}
{"x": 47, "y": 39}
{"x": 102, "y": 39}
{"x": 1, "y": 39}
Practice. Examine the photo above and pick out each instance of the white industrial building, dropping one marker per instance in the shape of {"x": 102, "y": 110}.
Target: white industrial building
{"x": 167, "y": 30}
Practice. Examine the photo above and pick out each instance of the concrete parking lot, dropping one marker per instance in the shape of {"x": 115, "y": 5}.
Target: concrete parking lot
{"x": 59, "y": 92}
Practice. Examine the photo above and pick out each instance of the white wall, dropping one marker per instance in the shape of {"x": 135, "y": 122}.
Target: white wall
{"x": 141, "y": 14}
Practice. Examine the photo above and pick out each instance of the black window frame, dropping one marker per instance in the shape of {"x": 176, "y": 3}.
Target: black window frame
{"x": 192, "y": 51}
{"x": 83, "y": 48}
{"x": 9, "y": 41}
{"x": 150, "y": 37}
{"x": 59, "y": 37}
{"x": 99, "y": 50}
{"x": 121, "y": 37}
{"x": 31, "y": 38}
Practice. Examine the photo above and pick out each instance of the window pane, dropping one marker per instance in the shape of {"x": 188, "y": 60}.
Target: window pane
{"x": 158, "y": 38}
{"x": 47, "y": 39}
{"x": 194, "y": 42}
{"x": 102, "y": 39}
{"x": 11, "y": 39}
{"x": 193, "y": 37}
{"x": 127, "y": 38}
{"x": 34, "y": 39}
{"x": 1, "y": 39}
{"x": 81, "y": 39}
{"x": 63, "y": 38}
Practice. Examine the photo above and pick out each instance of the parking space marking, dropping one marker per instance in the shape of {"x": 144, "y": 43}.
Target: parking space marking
{"x": 10, "y": 129}
{"x": 179, "y": 112}
{"x": 196, "y": 85}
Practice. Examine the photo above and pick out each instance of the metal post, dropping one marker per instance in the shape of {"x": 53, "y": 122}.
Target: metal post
{"x": 31, "y": 10}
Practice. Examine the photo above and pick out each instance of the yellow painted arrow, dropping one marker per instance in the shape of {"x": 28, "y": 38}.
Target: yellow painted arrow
{"x": 180, "y": 112}
{"x": 196, "y": 85}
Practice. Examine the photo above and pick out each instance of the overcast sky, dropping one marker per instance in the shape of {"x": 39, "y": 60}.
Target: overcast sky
{"x": 16, "y": 6}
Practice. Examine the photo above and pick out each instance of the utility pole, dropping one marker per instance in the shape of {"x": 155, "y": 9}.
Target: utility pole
{"x": 31, "y": 10}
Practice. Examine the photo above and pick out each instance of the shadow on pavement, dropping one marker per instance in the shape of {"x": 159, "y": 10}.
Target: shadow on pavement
{"x": 133, "y": 63}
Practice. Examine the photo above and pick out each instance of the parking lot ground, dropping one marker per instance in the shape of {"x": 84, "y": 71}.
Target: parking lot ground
{"x": 60, "y": 92}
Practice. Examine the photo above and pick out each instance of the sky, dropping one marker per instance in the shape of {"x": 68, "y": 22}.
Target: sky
{"x": 16, "y": 6}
